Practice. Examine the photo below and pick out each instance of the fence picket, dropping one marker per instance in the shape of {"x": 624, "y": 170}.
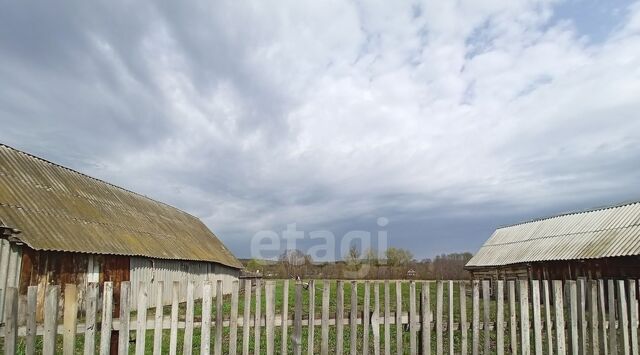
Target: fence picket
{"x": 324, "y": 346}
{"x": 11, "y": 320}
{"x": 50, "y": 319}
{"x": 464, "y": 327}
{"x": 124, "y": 316}
{"x": 499, "y": 318}
{"x": 547, "y": 315}
{"x": 375, "y": 320}
{"x": 559, "y": 317}
{"x": 91, "y": 307}
{"x": 387, "y": 319}
{"x": 107, "y": 318}
{"x": 624, "y": 318}
{"x": 32, "y": 300}
{"x": 413, "y": 322}
{"x": 159, "y": 317}
{"x": 439, "y": 306}
{"x": 285, "y": 317}
{"x": 366, "y": 317}
{"x": 175, "y": 302}
{"x": 398, "y": 317}
{"x": 582, "y": 317}
{"x": 593, "y": 312}
{"x": 353, "y": 319}
{"x": 270, "y": 315}
{"x": 233, "y": 320}
{"x": 246, "y": 316}
{"x": 487, "y": 315}
{"x": 513, "y": 330}
{"x": 141, "y": 319}
{"x": 573, "y": 316}
{"x": 312, "y": 317}
{"x": 257, "y": 318}
{"x": 425, "y": 310}
{"x": 217, "y": 349}
{"x": 604, "y": 344}
{"x": 450, "y": 319}
{"x": 613, "y": 337}
{"x": 187, "y": 343}
{"x": 537, "y": 319}
{"x": 205, "y": 330}
{"x": 339, "y": 317}
{"x": 297, "y": 321}
{"x": 70, "y": 319}
{"x": 475, "y": 346}
{"x": 525, "y": 342}
{"x": 633, "y": 316}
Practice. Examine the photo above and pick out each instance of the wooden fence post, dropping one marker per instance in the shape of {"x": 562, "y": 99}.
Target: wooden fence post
{"x": 547, "y": 315}
{"x": 70, "y": 319}
{"x": 141, "y": 318}
{"x": 499, "y": 318}
{"x": 439, "y": 306}
{"x": 513, "y": 324}
{"x": 353, "y": 319}
{"x": 324, "y": 346}
{"x": 375, "y": 319}
{"x": 604, "y": 344}
{"x": 524, "y": 317}
{"x": 312, "y": 317}
{"x": 425, "y": 318}
{"x": 50, "y": 319}
{"x": 366, "y": 317}
{"x": 285, "y": 317}
{"x": 464, "y": 327}
{"x": 593, "y": 311}
{"x": 475, "y": 346}
{"x": 32, "y": 300}
{"x": 339, "y": 317}
{"x": 175, "y": 302}
{"x": 270, "y": 315}
{"x": 623, "y": 311}
{"x": 187, "y": 347}
{"x": 633, "y": 316}
{"x": 91, "y": 308}
{"x": 487, "y": 315}
{"x": 219, "y": 313}
{"x": 123, "y": 317}
{"x": 613, "y": 336}
{"x": 582, "y": 316}
{"x": 413, "y": 321}
{"x": 107, "y": 318}
{"x": 398, "y": 317}
{"x": 205, "y": 328}
{"x": 246, "y": 316}
{"x": 387, "y": 319}
{"x": 537, "y": 317}
{"x": 559, "y": 313}
{"x": 11, "y": 320}
{"x": 258, "y": 318}
{"x": 450, "y": 318}
{"x": 233, "y": 320}
{"x": 297, "y": 321}
{"x": 159, "y": 317}
{"x": 573, "y": 313}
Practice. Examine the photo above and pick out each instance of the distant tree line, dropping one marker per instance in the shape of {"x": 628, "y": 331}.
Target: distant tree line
{"x": 393, "y": 263}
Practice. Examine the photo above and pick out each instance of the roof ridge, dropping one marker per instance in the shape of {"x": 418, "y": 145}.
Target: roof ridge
{"x": 563, "y": 214}
{"x": 94, "y": 178}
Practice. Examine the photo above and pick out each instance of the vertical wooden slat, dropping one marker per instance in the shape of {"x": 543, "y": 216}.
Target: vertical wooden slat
{"x": 487, "y": 315}
{"x": 205, "y": 329}
{"x": 324, "y": 344}
{"x": 141, "y": 319}
{"x": 559, "y": 313}
{"x": 217, "y": 349}
{"x": 257, "y": 319}
{"x": 604, "y": 344}
{"x": 413, "y": 321}
{"x": 159, "y": 317}
{"x": 582, "y": 316}
{"x": 387, "y": 319}
{"x": 624, "y": 318}
{"x": 91, "y": 307}
{"x": 70, "y": 319}
{"x": 573, "y": 313}
{"x": 547, "y": 315}
{"x": 366, "y": 317}
{"x": 187, "y": 343}
{"x": 285, "y": 317}
{"x": 175, "y": 302}
{"x": 270, "y": 315}
{"x": 524, "y": 317}
{"x": 425, "y": 318}
{"x": 499, "y": 317}
{"x": 50, "y": 319}
{"x": 439, "y": 310}
{"x": 513, "y": 325}
{"x": 633, "y": 316}
{"x": 339, "y": 317}
{"x": 233, "y": 320}
{"x": 537, "y": 317}
{"x": 353, "y": 319}
{"x": 123, "y": 317}
{"x": 246, "y": 316}
{"x": 312, "y": 317}
{"x": 375, "y": 319}
{"x": 464, "y": 327}
{"x": 32, "y": 300}
{"x": 297, "y": 321}
{"x": 475, "y": 325}
{"x": 613, "y": 337}
{"x": 450, "y": 319}
{"x": 107, "y": 318}
{"x": 11, "y": 320}
{"x": 398, "y": 318}
{"x": 594, "y": 321}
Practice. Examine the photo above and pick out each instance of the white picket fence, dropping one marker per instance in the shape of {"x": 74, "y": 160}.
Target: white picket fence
{"x": 572, "y": 317}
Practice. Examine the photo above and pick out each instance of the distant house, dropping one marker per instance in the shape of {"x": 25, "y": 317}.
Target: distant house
{"x": 60, "y": 226}
{"x": 598, "y": 243}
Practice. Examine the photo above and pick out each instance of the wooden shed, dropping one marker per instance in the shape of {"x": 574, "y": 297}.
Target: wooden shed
{"x": 60, "y": 226}
{"x": 598, "y": 243}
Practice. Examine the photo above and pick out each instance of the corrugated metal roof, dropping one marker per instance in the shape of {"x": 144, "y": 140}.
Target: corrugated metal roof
{"x": 601, "y": 233}
{"x": 57, "y": 208}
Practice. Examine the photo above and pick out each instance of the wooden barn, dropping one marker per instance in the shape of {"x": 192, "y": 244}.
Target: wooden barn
{"x": 599, "y": 243}
{"x": 60, "y": 226}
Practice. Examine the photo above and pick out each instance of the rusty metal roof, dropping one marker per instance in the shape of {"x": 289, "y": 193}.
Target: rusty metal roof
{"x": 600, "y": 233}
{"x": 60, "y": 209}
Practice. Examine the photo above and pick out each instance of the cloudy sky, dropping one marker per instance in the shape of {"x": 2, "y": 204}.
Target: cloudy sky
{"x": 448, "y": 118}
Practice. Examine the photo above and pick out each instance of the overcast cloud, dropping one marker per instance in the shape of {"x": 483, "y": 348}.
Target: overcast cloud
{"x": 449, "y": 118}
